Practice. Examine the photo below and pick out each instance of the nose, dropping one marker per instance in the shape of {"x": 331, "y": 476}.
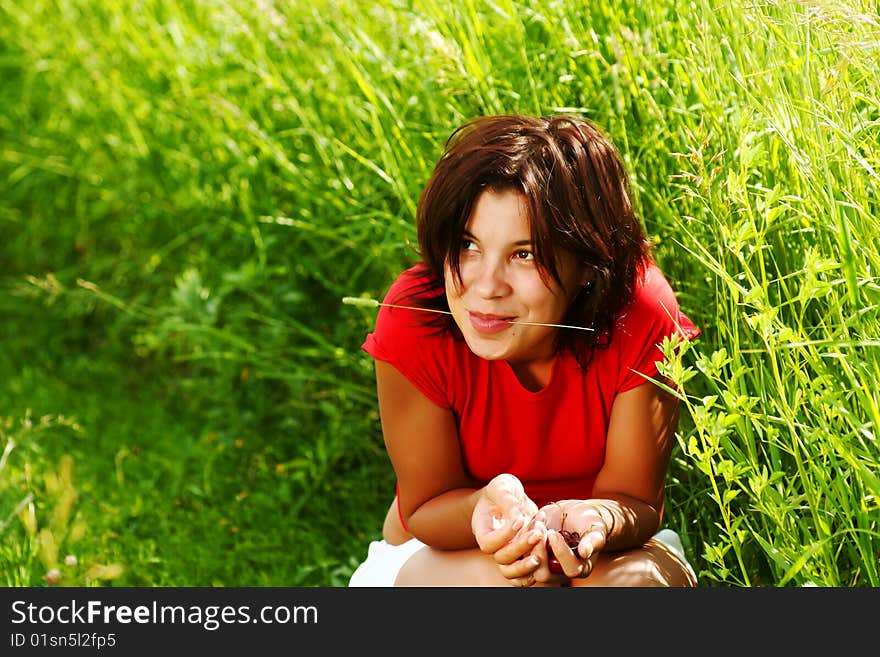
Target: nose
{"x": 490, "y": 278}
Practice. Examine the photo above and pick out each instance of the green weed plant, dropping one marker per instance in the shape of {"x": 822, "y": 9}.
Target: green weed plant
{"x": 188, "y": 189}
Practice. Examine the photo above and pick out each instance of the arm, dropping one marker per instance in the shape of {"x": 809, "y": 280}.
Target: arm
{"x": 631, "y": 483}
{"x": 392, "y": 529}
{"x": 438, "y": 501}
{"x": 627, "y": 502}
{"x": 437, "y": 497}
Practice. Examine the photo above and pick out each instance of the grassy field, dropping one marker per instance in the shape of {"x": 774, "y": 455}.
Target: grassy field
{"x": 188, "y": 189}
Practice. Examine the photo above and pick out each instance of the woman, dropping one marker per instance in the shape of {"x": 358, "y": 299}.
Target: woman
{"x": 516, "y": 374}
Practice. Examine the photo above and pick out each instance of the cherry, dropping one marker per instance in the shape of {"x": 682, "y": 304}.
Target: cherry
{"x": 572, "y": 538}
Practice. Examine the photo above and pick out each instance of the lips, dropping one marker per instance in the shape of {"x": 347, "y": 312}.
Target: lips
{"x": 487, "y": 324}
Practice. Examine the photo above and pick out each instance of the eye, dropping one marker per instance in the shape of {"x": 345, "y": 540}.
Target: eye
{"x": 468, "y": 245}
{"x": 524, "y": 254}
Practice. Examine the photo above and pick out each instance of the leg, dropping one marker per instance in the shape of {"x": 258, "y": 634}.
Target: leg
{"x": 429, "y": 567}
{"x": 653, "y": 564}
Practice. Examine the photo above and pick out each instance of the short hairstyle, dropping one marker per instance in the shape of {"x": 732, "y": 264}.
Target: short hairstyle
{"x": 577, "y": 198}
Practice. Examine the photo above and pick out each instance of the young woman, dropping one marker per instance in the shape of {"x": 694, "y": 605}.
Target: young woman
{"x": 516, "y": 374}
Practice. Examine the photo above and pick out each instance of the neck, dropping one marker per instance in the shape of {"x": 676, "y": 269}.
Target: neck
{"x": 534, "y": 375}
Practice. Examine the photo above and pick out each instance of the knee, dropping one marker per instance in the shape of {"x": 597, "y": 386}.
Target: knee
{"x": 652, "y": 565}
{"x": 429, "y": 567}
{"x": 409, "y": 573}
{"x": 422, "y": 569}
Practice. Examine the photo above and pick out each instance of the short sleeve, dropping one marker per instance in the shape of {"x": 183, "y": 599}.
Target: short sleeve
{"x": 642, "y": 326}
{"x": 416, "y": 349}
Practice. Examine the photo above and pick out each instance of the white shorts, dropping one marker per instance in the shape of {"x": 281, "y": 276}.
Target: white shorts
{"x": 384, "y": 561}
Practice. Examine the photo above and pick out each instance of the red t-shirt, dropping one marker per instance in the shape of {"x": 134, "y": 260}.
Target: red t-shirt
{"x": 553, "y": 440}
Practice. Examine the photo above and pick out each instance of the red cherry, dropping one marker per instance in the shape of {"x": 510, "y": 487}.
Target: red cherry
{"x": 572, "y": 539}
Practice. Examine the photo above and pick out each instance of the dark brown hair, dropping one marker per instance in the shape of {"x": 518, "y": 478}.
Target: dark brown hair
{"x": 577, "y": 195}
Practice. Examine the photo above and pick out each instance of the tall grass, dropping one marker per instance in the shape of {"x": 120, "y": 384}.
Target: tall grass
{"x": 189, "y": 189}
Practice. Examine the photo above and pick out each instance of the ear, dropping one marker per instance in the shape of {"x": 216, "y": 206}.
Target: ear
{"x": 587, "y": 274}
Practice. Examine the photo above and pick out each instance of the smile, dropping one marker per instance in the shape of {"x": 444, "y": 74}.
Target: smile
{"x": 488, "y": 324}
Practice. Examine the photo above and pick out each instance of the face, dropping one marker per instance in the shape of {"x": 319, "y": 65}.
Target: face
{"x": 501, "y": 283}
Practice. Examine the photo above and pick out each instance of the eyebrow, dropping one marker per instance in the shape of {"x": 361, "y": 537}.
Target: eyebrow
{"x": 470, "y": 235}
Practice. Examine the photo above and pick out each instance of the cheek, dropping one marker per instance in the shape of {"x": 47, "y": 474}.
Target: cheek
{"x": 466, "y": 273}
{"x": 448, "y": 277}
{"x": 536, "y": 294}
{"x": 455, "y": 286}
{"x": 453, "y": 294}
{"x": 551, "y": 305}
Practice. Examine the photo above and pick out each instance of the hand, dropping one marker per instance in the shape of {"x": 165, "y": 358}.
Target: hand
{"x": 507, "y": 525}
{"x": 583, "y": 521}
{"x": 502, "y": 509}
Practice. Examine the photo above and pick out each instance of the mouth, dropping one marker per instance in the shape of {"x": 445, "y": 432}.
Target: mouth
{"x": 488, "y": 324}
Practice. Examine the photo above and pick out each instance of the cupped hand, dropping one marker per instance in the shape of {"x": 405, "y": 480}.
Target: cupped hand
{"x": 502, "y": 510}
{"x": 509, "y": 527}
{"x": 583, "y": 521}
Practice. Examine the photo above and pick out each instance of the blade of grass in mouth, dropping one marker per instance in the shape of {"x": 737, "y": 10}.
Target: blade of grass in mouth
{"x": 372, "y": 303}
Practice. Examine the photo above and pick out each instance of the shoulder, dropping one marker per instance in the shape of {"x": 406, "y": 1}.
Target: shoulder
{"x": 414, "y": 285}
{"x": 643, "y": 325}
{"x": 654, "y": 306}
{"x": 408, "y": 305}
{"x": 415, "y": 342}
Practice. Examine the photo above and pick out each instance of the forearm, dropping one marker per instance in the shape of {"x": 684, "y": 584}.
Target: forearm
{"x": 444, "y": 521}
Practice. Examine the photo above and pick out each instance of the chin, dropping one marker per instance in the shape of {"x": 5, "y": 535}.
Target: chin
{"x": 486, "y": 349}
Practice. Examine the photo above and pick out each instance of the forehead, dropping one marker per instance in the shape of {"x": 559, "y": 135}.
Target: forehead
{"x": 499, "y": 214}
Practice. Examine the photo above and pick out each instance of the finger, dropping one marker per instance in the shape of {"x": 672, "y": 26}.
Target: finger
{"x": 570, "y": 562}
{"x": 552, "y": 514}
{"x": 507, "y": 491}
{"x": 540, "y": 517}
{"x": 543, "y": 574}
{"x": 493, "y": 531}
{"x": 521, "y": 568}
{"x": 521, "y": 544}
{"x": 593, "y": 541}
{"x": 524, "y": 582}
{"x": 492, "y": 539}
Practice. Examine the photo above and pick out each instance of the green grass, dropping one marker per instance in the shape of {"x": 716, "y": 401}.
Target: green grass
{"x": 190, "y": 188}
